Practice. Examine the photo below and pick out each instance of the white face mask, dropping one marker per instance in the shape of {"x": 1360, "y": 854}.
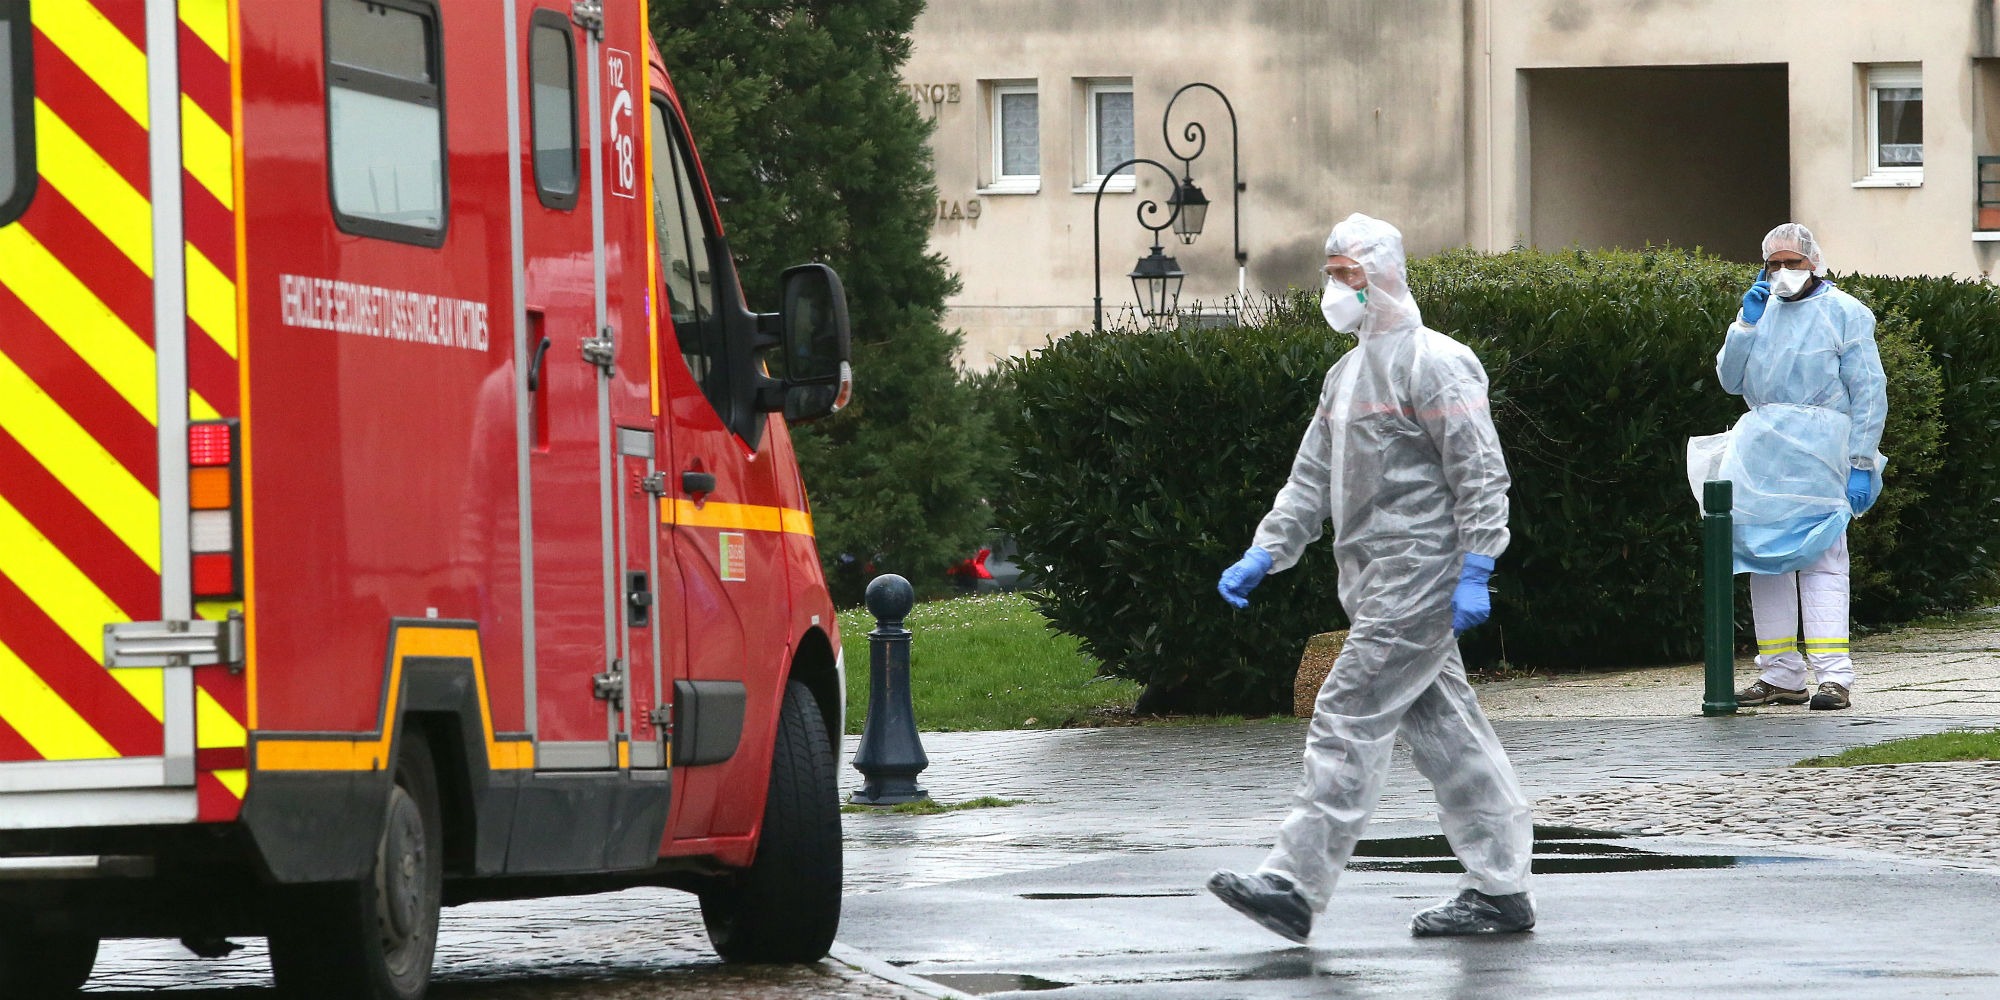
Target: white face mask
{"x": 1343, "y": 307}
{"x": 1787, "y": 283}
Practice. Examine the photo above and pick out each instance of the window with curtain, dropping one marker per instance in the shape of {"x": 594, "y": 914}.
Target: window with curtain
{"x": 385, "y": 118}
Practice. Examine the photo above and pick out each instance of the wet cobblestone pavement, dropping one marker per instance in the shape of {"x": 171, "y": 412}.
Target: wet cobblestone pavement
{"x": 1941, "y": 812}
{"x": 1085, "y": 794}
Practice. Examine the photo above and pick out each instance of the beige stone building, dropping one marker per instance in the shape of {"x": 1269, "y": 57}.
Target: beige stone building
{"x": 1486, "y": 123}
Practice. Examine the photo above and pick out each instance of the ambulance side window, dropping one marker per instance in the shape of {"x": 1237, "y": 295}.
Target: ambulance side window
{"x": 385, "y": 119}
{"x": 552, "y": 72}
{"x": 17, "y": 112}
{"x": 687, "y": 263}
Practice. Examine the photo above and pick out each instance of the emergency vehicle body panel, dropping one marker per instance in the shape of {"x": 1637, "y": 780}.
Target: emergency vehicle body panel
{"x": 444, "y": 282}
{"x": 117, "y": 325}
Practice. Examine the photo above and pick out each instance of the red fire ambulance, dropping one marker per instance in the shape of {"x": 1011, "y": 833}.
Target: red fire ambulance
{"x": 396, "y": 503}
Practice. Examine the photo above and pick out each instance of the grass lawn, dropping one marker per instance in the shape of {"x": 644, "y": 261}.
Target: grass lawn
{"x": 1953, "y": 745}
{"x": 985, "y": 662}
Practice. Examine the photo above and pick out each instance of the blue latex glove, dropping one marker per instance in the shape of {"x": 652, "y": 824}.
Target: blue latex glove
{"x": 1754, "y": 300}
{"x": 1860, "y": 487}
{"x": 1243, "y": 577}
{"x": 1471, "y": 603}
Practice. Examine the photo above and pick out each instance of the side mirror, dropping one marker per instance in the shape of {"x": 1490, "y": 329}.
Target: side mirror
{"x": 811, "y": 365}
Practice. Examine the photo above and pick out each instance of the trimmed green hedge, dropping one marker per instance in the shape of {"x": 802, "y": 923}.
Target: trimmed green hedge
{"x": 1144, "y": 461}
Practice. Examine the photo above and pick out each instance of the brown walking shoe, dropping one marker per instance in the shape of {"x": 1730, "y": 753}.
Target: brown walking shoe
{"x": 1761, "y": 693}
{"x": 1830, "y": 696}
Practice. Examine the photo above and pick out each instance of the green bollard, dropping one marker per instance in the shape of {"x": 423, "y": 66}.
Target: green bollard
{"x": 1718, "y": 598}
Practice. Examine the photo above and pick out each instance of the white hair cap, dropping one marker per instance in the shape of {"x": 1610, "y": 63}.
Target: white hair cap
{"x": 1798, "y": 239}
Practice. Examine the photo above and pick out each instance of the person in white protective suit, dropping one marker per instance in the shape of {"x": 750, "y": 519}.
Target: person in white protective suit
{"x": 1803, "y": 462}
{"x": 1401, "y": 457}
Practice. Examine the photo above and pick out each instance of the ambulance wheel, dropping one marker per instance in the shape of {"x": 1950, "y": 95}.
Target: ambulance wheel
{"x": 35, "y": 966}
{"x": 374, "y": 940}
{"x": 786, "y": 906}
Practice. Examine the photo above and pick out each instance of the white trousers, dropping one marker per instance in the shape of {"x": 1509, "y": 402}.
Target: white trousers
{"x": 1815, "y": 597}
{"x": 1403, "y": 679}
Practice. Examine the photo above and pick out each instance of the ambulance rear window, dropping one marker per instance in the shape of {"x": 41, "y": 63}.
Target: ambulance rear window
{"x": 17, "y": 119}
{"x": 385, "y": 119}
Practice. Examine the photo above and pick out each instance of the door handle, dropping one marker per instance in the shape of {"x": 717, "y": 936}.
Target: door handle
{"x": 697, "y": 482}
{"x": 535, "y": 366}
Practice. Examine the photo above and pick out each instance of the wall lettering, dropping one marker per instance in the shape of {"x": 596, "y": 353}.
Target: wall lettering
{"x": 933, "y": 94}
{"x": 953, "y": 211}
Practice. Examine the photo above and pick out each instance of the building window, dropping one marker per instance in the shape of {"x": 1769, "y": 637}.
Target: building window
{"x": 552, "y": 71}
{"x": 1017, "y": 137}
{"x": 17, "y": 112}
{"x": 1107, "y": 130}
{"x": 1895, "y": 110}
{"x": 385, "y": 119}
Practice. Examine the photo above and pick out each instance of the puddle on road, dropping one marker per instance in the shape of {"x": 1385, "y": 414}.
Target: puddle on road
{"x": 981, "y": 983}
{"x": 1558, "y": 851}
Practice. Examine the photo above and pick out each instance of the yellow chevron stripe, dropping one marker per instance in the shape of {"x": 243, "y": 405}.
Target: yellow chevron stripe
{"x": 42, "y": 717}
{"x": 211, "y": 300}
{"x": 206, "y": 152}
{"x": 78, "y": 316}
{"x": 736, "y": 516}
{"x": 79, "y": 463}
{"x": 236, "y": 780}
{"x": 99, "y": 48}
{"x": 209, "y": 20}
{"x": 97, "y": 190}
{"x": 214, "y": 726}
{"x": 72, "y": 600}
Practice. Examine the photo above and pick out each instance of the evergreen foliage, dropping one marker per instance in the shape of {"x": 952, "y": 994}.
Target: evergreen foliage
{"x": 818, "y": 155}
{"x": 1144, "y": 461}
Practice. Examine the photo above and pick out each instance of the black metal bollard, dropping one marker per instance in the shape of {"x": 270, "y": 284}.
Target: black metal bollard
{"x": 1718, "y": 599}
{"x": 890, "y": 756}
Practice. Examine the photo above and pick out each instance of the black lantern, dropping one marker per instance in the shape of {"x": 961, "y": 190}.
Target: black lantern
{"x": 1156, "y": 283}
{"x": 1190, "y": 210}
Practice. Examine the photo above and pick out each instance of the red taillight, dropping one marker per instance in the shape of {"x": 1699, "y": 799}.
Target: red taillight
{"x": 211, "y": 444}
{"x": 214, "y": 575}
{"x": 215, "y": 502}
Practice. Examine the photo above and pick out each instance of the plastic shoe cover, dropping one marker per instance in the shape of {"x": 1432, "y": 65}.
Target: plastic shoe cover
{"x": 1268, "y": 898}
{"x": 1474, "y": 912}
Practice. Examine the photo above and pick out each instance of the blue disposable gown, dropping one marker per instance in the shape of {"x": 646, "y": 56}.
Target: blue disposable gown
{"x": 1811, "y": 374}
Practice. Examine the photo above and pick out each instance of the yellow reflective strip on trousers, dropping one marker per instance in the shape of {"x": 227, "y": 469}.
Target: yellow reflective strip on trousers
{"x": 48, "y": 723}
{"x": 79, "y": 463}
{"x": 79, "y": 317}
{"x": 1775, "y": 645}
{"x": 104, "y": 54}
{"x": 97, "y": 190}
{"x": 73, "y": 601}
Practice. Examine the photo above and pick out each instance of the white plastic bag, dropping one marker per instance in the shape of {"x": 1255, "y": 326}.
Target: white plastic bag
{"x": 1705, "y": 456}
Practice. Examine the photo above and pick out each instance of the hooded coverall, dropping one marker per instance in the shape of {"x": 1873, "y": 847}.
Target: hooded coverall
{"x": 1402, "y": 459}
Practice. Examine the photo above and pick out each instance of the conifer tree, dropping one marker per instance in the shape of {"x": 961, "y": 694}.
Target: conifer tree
{"x": 818, "y": 154}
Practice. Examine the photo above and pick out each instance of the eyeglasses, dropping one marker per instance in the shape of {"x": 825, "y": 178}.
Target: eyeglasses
{"x": 1799, "y": 264}
{"x": 1345, "y": 272}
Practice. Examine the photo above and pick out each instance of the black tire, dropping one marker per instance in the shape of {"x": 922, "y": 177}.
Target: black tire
{"x": 786, "y": 906}
{"x": 375, "y": 940}
{"x": 40, "y": 966}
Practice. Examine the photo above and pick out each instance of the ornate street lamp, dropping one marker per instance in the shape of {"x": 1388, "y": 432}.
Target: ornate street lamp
{"x": 1191, "y": 208}
{"x": 1156, "y": 279}
{"x": 1156, "y": 283}
{"x": 1189, "y": 228}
